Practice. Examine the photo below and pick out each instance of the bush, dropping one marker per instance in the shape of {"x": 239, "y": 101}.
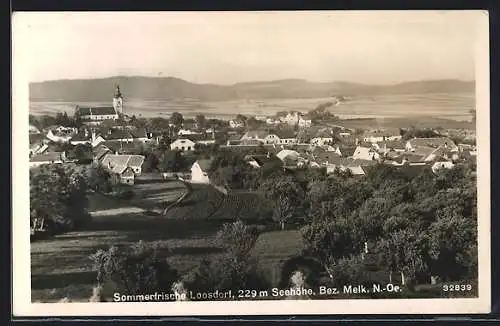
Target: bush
{"x": 133, "y": 270}
{"x": 225, "y": 273}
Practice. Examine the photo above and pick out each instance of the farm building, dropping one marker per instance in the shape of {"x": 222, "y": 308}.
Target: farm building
{"x": 199, "y": 171}
{"x": 182, "y": 144}
{"x": 121, "y": 165}
{"x": 415, "y": 143}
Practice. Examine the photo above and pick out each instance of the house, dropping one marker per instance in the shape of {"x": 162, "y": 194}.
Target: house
{"x": 272, "y": 121}
{"x": 36, "y": 149}
{"x": 199, "y": 171}
{"x": 258, "y": 135}
{"x": 389, "y": 146}
{"x": 347, "y": 151}
{"x": 326, "y": 158}
{"x": 81, "y": 138}
{"x": 96, "y": 115}
{"x": 287, "y": 155}
{"x": 182, "y": 144}
{"x": 47, "y": 158}
{"x": 185, "y": 132}
{"x": 415, "y": 143}
{"x": 442, "y": 165}
{"x": 283, "y": 137}
{"x": 365, "y": 153}
{"x": 296, "y": 118}
{"x": 127, "y": 176}
{"x": 121, "y": 165}
{"x": 236, "y": 123}
{"x": 58, "y": 136}
{"x": 321, "y": 141}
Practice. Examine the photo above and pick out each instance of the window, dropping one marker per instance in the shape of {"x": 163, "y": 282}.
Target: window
{"x": 182, "y": 147}
{"x": 189, "y": 148}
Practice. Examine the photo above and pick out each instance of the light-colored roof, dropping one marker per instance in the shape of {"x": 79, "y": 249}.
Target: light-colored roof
{"x": 432, "y": 142}
{"x": 118, "y": 163}
{"x": 287, "y": 153}
{"x": 47, "y": 157}
{"x": 204, "y": 164}
{"x": 258, "y": 134}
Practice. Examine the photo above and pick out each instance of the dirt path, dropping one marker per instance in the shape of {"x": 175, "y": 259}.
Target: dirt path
{"x": 189, "y": 191}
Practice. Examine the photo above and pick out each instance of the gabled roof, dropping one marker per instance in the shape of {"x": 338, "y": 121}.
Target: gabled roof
{"x": 119, "y": 163}
{"x": 139, "y": 133}
{"x": 423, "y": 150}
{"x": 287, "y": 153}
{"x": 135, "y": 161}
{"x": 285, "y": 134}
{"x": 392, "y": 144}
{"x": 80, "y": 137}
{"x": 47, "y": 157}
{"x": 327, "y": 157}
{"x": 413, "y": 158}
{"x": 118, "y": 134}
{"x": 432, "y": 142}
{"x": 103, "y": 110}
{"x": 36, "y": 138}
{"x": 128, "y": 173}
{"x": 347, "y": 150}
{"x": 258, "y": 134}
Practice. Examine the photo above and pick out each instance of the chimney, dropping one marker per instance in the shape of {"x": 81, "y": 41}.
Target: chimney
{"x": 357, "y": 141}
{"x": 93, "y": 135}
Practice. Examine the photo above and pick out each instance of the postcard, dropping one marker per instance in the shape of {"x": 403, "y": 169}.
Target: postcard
{"x": 308, "y": 162}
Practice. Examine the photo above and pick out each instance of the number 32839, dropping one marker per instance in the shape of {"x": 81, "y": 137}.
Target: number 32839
{"x": 457, "y": 287}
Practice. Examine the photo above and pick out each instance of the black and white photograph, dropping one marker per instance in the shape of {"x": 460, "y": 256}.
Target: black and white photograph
{"x": 308, "y": 162}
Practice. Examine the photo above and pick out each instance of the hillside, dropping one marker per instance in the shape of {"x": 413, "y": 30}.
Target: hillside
{"x": 170, "y": 88}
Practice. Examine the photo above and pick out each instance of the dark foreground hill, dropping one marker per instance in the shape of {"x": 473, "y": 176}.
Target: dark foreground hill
{"x": 170, "y": 88}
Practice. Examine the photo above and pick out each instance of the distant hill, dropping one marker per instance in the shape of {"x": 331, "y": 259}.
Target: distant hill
{"x": 171, "y": 88}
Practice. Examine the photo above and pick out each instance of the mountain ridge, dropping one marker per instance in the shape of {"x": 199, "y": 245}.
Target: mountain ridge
{"x": 173, "y": 88}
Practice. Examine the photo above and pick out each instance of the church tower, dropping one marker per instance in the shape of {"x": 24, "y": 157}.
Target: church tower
{"x": 118, "y": 100}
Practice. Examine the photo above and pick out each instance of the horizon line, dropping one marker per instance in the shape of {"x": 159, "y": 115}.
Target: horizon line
{"x": 254, "y": 81}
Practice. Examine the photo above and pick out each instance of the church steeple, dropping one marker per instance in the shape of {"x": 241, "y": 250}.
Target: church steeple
{"x": 118, "y": 100}
{"x": 118, "y": 94}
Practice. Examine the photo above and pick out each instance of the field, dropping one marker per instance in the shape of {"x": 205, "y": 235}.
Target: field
{"x": 445, "y": 106}
{"x": 61, "y": 266}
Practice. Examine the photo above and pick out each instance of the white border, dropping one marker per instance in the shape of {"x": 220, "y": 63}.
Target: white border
{"x": 22, "y": 306}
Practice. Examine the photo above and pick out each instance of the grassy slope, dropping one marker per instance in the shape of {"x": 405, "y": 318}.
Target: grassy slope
{"x": 61, "y": 266}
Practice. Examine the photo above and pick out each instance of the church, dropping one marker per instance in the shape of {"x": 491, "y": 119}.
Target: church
{"x": 96, "y": 115}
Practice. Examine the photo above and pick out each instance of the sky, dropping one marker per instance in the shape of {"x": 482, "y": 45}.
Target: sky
{"x": 230, "y": 47}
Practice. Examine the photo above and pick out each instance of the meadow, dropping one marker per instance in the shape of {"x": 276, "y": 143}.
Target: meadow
{"x": 61, "y": 267}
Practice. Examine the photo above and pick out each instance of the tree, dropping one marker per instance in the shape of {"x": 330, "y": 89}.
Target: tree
{"x": 136, "y": 269}
{"x": 99, "y": 179}
{"x": 58, "y": 198}
{"x": 286, "y": 196}
{"x": 173, "y": 161}
{"x": 150, "y": 163}
{"x": 329, "y": 241}
{"x": 200, "y": 121}
{"x": 452, "y": 237}
{"x": 404, "y": 251}
{"x": 237, "y": 238}
{"x": 176, "y": 119}
{"x": 81, "y": 153}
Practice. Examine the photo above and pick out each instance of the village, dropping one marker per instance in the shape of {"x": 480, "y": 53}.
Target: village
{"x": 292, "y": 137}
{"x": 301, "y": 184}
